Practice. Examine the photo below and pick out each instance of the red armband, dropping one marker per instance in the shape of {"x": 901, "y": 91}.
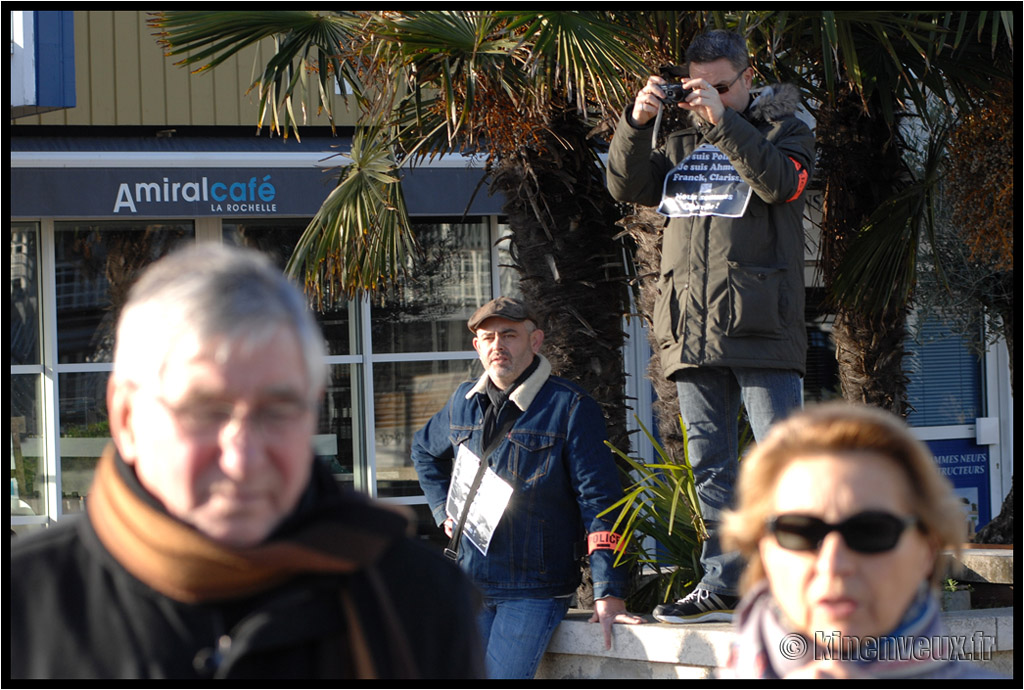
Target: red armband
{"x": 801, "y": 179}
{"x": 603, "y": 540}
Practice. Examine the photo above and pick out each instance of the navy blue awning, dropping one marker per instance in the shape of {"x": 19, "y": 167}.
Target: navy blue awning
{"x": 194, "y": 176}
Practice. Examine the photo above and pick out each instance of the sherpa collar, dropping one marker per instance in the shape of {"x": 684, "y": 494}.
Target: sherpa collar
{"x": 526, "y": 392}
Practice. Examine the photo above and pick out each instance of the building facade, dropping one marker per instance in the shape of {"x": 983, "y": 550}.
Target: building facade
{"x": 138, "y": 157}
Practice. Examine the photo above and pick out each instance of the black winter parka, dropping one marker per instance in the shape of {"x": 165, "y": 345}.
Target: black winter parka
{"x": 731, "y": 290}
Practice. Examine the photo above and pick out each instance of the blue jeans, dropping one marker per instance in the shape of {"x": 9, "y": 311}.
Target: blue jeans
{"x": 709, "y": 402}
{"x": 515, "y": 633}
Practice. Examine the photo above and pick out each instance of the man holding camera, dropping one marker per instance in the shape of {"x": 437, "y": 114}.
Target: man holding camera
{"x": 729, "y": 317}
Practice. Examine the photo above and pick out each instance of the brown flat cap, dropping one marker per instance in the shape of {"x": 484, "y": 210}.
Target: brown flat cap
{"x": 505, "y": 307}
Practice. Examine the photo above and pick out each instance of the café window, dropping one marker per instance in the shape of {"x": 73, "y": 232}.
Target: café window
{"x": 96, "y": 263}
{"x": 338, "y": 441}
{"x": 422, "y": 347}
{"x": 28, "y": 466}
{"x": 394, "y": 357}
{"x": 59, "y": 424}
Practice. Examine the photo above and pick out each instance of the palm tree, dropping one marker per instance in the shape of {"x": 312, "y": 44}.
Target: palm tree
{"x": 517, "y": 87}
{"x": 520, "y": 88}
{"x": 872, "y": 74}
{"x": 429, "y": 82}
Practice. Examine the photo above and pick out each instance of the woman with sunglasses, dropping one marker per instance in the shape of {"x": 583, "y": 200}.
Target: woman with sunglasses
{"x": 842, "y": 516}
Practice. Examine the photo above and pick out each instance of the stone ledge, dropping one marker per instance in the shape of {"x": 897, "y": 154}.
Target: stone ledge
{"x": 996, "y": 624}
{"x": 659, "y": 651}
{"x": 992, "y": 565}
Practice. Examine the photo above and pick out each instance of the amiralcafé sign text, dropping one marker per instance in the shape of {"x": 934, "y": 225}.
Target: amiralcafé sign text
{"x": 151, "y": 192}
{"x": 255, "y": 195}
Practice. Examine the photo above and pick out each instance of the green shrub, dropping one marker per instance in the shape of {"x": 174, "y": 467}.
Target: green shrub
{"x": 661, "y": 503}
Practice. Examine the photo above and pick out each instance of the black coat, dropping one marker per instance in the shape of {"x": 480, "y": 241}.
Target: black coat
{"x": 731, "y": 289}
{"x": 75, "y": 612}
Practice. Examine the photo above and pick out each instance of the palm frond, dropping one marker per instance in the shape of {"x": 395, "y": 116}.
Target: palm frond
{"x": 301, "y": 43}
{"x": 879, "y": 270}
{"x": 898, "y": 58}
{"x": 583, "y": 53}
{"x": 660, "y": 504}
{"x": 361, "y": 235}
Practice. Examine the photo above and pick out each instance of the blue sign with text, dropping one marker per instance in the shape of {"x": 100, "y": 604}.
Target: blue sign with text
{"x": 966, "y": 465}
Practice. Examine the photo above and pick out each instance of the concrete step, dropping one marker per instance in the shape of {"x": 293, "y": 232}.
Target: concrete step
{"x": 986, "y": 571}
{"x": 983, "y": 563}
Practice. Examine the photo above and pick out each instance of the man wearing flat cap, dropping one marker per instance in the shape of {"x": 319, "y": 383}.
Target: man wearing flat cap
{"x": 516, "y": 471}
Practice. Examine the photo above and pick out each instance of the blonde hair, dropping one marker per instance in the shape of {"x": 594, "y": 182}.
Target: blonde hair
{"x": 839, "y": 428}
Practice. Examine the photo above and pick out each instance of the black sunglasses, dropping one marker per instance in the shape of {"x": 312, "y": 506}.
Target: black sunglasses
{"x": 872, "y": 531}
{"x": 724, "y": 88}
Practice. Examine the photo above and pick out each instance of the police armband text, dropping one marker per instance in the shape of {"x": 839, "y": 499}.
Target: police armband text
{"x": 602, "y": 540}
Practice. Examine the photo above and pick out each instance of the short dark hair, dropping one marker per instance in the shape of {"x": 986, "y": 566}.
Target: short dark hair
{"x": 718, "y": 44}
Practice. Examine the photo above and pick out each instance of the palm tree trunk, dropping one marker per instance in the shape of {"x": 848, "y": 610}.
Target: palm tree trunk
{"x": 870, "y": 355}
{"x": 860, "y": 167}
{"x": 571, "y": 268}
{"x": 644, "y": 227}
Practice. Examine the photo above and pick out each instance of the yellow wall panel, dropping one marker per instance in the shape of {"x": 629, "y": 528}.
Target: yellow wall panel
{"x": 122, "y": 78}
{"x": 152, "y": 82}
{"x": 127, "y": 74}
{"x": 102, "y": 74}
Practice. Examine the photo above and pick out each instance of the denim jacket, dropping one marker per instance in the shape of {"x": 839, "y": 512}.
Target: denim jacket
{"x": 562, "y": 476}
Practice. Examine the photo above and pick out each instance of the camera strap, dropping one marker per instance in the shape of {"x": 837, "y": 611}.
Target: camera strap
{"x": 657, "y": 126}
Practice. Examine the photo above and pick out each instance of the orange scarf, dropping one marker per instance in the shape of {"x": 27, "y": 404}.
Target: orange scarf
{"x": 181, "y": 563}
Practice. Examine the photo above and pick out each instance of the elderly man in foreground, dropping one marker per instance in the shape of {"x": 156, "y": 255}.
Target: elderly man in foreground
{"x": 214, "y": 545}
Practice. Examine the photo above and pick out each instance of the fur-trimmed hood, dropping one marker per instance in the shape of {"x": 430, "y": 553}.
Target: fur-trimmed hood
{"x": 770, "y": 103}
{"x": 775, "y": 102}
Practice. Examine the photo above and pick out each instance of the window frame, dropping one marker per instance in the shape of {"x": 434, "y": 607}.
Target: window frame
{"x": 209, "y": 229}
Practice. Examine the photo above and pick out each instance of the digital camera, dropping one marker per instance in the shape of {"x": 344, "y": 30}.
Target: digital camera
{"x": 674, "y": 93}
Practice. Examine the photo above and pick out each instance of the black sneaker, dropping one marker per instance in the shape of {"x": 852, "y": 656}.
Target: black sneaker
{"x": 699, "y": 606}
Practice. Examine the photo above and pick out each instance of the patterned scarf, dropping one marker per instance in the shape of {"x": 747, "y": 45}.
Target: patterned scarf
{"x": 183, "y": 564}
{"x": 767, "y": 647}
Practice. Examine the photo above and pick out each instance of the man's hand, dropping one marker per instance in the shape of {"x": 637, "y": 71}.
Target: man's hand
{"x": 705, "y": 101}
{"x": 611, "y": 610}
{"x": 648, "y": 100}
{"x": 449, "y": 527}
